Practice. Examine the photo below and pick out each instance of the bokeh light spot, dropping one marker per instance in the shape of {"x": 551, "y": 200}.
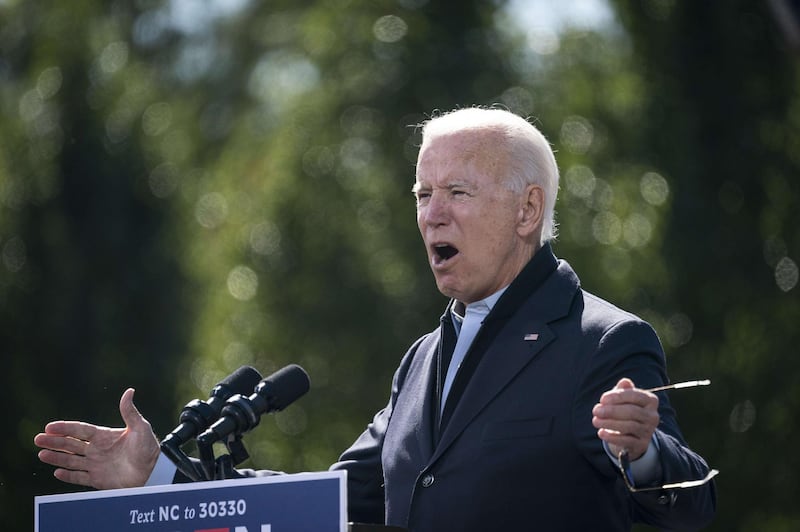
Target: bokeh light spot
{"x": 211, "y": 210}
{"x": 164, "y": 180}
{"x": 281, "y": 76}
{"x": 654, "y": 188}
{"x": 319, "y": 161}
{"x": 30, "y": 105}
{"x": 603, "y": 195}
{"x": 113, "y": 57}
{"x": 519, "y": 100}
{"x": 203, "y": 376}
{"x": 118, "y": 124}
{"x": 577, "y": 134}
{"x": 637, "y": 230}
{"x": 786, "y": 274}
{"x": 743, "y": 416}
{"x": 606, "y": 228}
{"x": 679, "y": 329}
{"x": 242, "y": 283}
{"x": 356, "y": 153}
{"x": 580, "y": 181}
{"x": 49, "y": 82}
{"x": 265, "y": 238}
{"x": 237, "y": 354}
{"x": 543, "y": 41}
{"x": 156, "y": 118}
{"x": 390, "y": 28}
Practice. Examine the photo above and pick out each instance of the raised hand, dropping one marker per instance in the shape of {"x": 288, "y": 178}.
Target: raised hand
{"x": 101, "y": 457}
{"x": 626, "y": 418}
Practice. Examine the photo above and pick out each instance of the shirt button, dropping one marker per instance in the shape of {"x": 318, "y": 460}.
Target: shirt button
{"x": 427, "y": 480}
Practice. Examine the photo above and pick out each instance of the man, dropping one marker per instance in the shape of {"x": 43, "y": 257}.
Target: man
{"x": 513, "y": 413}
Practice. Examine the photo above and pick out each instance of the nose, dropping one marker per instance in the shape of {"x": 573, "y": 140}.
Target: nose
{"x": 434, "y": 212}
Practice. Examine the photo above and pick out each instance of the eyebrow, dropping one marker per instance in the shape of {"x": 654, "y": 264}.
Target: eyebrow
{"x": 450, "y": 186}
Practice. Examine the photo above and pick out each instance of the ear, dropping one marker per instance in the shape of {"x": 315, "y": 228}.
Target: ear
{"x": 531, "y": 212}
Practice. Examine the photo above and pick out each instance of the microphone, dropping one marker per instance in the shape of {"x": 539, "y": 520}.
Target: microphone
{"x": 242, "y": 414}
{"x": 197, "y": 415}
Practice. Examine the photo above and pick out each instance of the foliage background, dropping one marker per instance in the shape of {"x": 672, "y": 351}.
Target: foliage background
{"x": 188, "y": 186}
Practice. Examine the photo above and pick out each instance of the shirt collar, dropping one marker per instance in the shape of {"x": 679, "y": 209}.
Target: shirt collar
{"x": 542, "y": 264}
{"x": 481, "y": 308}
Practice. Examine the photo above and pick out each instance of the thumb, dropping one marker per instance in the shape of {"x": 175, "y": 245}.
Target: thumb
{"x": 625, "y": 384}
{"x": 130, "y": 414}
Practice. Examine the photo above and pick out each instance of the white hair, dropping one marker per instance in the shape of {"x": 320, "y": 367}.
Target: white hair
{"x": 530, "y": 157}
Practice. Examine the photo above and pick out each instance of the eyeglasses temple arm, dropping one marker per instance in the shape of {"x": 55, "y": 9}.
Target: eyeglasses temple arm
{"x": 686, "y": 384}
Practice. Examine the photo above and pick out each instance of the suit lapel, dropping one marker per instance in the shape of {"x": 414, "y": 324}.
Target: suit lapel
{"x": 417, "y": 402}
{"x": 519, "y": 342}
{"x": 499, "y": 365}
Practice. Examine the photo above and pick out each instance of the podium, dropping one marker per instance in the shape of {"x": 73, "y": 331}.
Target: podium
{"x": 363, "y": 527}
{"x": 304, "y": 502}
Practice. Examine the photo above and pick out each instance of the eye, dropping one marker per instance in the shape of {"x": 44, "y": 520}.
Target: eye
{"x": 422, "y": 196}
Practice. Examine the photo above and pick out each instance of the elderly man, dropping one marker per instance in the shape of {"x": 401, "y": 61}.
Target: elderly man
{"x": 517, "y": 411}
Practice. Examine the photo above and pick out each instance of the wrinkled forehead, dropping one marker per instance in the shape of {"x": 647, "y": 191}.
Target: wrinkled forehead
{"x": 477, "y": 150}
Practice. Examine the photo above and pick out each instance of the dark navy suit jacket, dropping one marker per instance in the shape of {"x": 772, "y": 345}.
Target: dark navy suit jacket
{"x": 519, "y": 451}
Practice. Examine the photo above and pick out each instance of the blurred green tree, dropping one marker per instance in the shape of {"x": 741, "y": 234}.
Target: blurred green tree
{"x": 722, "y": 102}
{"x": 188, "y": 187}
{"x": 93, "y": 298}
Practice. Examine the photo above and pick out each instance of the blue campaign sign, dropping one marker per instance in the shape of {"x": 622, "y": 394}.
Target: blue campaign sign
{"x": 312, "y": 502}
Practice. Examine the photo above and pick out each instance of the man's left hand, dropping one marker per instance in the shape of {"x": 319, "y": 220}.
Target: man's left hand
{"x": 626, "y": 418}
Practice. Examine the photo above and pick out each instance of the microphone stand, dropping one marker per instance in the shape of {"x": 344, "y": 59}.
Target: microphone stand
{"x": 181, "y": 461}
{"x": 222, "y": 467}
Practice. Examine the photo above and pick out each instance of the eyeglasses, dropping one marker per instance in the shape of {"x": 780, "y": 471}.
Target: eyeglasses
{"x": 624, "y": 462}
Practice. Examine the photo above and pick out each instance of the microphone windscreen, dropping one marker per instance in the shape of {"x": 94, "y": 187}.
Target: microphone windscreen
{"x": 284, "y": 386}
{"x": 242, "y": 381}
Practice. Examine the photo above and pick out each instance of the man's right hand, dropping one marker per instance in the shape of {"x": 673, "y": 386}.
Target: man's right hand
{"x": 101, "y": 457}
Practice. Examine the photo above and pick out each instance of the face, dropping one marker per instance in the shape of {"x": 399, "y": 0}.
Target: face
{"x": 478, "y": 233}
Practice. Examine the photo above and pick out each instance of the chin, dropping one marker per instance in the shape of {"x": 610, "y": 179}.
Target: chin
{"x": 447, "y": 291}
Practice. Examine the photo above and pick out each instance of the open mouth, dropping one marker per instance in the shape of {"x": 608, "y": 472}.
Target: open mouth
{"x": 444, "y": 252}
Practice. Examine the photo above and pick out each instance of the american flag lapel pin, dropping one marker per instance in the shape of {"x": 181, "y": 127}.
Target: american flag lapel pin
{"x": 531, "y": 337}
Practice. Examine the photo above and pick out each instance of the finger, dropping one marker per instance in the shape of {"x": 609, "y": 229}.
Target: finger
{"x": 632, "y": 442}
{"x": 632, "y": 396}
{"x": 626, "y": 417}
{"x": 63, "y": 460}
{"x": 645, "y": 412}
{"x": 60, "y": 443}
{"x": 73, "y": 429}
{"x": 127, "y": 409}
{"x": 625, "y": 384}
{"x": 633, "y": 428}
{"x": 44, "y": 440}
{"x": 81, "y": 478}
{"x": 635, "y": 446}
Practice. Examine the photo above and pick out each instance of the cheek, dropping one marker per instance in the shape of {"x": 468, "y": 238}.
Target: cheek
{"x": 495, "y": 238}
